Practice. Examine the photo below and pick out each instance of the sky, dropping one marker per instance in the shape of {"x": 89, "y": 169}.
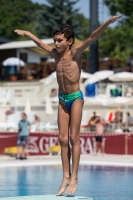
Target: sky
{"x": 84, "y": 8}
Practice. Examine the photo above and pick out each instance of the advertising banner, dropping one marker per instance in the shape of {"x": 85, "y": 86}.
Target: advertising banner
{"x": 39, "y": 143}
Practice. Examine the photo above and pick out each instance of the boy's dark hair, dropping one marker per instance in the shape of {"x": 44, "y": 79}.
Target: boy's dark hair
{"x": 24, "y": 114}
{"x": 67, "y": 31}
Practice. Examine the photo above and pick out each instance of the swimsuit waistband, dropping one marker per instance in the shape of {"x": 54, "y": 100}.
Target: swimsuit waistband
{"x": 70, "y": 96}
{"x": 70, "y": 93}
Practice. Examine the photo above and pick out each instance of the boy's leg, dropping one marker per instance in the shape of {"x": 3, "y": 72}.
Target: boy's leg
{"x": 63, "y": 124}
{"x": 23, "y": 151}
{"x": 18, "y": 151}
{"x": 97, "y": 147}
{"x": 18, "y": 147}
{"x": 102, "y": 148}
{"x": 75, "y": 121}
{"x": 26, "y": 152}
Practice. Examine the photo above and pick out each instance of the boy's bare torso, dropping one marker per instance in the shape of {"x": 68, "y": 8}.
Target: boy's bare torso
{"x": 68, "y": 71}
{"x": 99, "y": 129}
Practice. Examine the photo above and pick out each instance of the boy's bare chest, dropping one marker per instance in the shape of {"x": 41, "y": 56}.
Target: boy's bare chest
{"x": 67, "y": 66}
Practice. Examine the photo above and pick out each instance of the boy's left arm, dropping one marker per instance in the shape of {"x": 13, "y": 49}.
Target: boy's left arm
{"x": 96, "y": 34}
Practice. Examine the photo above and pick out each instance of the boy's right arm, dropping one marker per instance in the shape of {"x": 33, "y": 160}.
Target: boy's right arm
{"x": 35, "y": 39}
{"x": 96, "y": 34}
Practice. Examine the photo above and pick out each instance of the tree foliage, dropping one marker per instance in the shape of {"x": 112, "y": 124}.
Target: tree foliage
{"x": 117, "y": 42}
{"x": 59, "y": 13}
{"x": 41, "y": 19}
{"x": 16, "y": 14}
{"x": 123, "y": 6}
{"x": 83, "y": 26}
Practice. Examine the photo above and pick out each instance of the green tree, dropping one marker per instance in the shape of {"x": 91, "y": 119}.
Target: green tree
{"x": 84, "y": 30}
{"x": 116, "y": 42}
{"x": 59, "y": 13}
{"x": 16, "y": 14}
{"x": 83, "y": 26}
{"x": 123, "y": 6}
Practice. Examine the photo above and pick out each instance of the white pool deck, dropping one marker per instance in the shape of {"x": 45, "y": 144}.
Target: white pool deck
{"x": 86, "y": 159}
{"x": 48, "y": 197}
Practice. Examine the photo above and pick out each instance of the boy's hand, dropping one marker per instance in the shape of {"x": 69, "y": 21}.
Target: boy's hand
{"x": 114, "y": 18}
{"x": 20, "y": 32}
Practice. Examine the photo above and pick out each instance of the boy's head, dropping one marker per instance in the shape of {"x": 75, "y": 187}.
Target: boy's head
{"x": 23, "y": 116}
{"x": 67, "y": 32}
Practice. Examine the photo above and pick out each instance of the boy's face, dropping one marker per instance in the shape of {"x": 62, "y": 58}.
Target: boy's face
{"x": 23, "y": 116}
{"x": 61, "y": 43}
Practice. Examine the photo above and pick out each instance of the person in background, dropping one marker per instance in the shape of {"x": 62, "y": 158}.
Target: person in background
{"x": 118, "y": 116}
{"x": 129, "y": 122}
{"x": 130, "y": 59}
{"x": 110, "y": 66}
{"x": 23, "y": 131}
{"x": 128, "y": 67}
{"x": 37, "y": 119}
{"x": 129, "y": 119}
{"x": 99, "y": 123}
{"x": 91, "y": 121}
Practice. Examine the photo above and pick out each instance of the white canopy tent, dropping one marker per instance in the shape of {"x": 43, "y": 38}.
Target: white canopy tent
{"x": 32, "y": 46}
{"x": 122, "y": 77}
{"x": 23, "y": 44}
{"x": 26, "y": 44}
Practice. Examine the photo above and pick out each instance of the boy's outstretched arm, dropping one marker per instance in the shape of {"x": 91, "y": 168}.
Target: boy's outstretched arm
{"x": 35, "y": 39}
{"x": 96, "y": 34}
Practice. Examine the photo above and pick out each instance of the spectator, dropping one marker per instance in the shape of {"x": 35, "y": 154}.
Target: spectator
{"x": 99, "y": 123}
{"x": 118, "y": 116}
{"x": 130, "y": 59}
{"x": 129, "y": 92}
{"x": 24, "y": 128}
{"x": 128, "y": 67}
{"x": 22, "y": 74}
{"x": 129, "y": 121}
{"x": 37, "y": 119}
{"x": 91, "y": 122}
{"x": 110, "y": 66}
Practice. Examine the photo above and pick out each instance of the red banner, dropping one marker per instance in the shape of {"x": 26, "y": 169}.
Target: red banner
{"x": 38, "y": 143}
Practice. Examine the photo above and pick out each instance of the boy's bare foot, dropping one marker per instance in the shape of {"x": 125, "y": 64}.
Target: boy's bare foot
{"x": 64, "y": 184}
{"x": 72, "y": 186}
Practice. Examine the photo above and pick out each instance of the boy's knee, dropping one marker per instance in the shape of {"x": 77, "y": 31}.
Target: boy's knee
{"x": 74, "y": 139}
{"x": 63, "y": 140}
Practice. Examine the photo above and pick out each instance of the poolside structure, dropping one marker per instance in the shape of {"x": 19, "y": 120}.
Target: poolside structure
{"x": 48, "y": 197}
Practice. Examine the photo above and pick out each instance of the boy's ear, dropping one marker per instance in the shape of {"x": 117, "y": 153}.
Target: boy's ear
{"x": 70, "y": 41}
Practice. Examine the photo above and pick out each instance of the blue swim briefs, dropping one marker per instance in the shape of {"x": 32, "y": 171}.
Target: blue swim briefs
{"x": 68, "y": 99}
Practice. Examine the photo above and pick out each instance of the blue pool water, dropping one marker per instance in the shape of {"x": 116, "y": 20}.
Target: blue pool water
{"x": 102, "y": 183}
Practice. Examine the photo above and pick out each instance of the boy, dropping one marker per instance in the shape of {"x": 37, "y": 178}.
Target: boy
{"x": 68, "y": 70}
{"x": 99, "y": 123}
{"x": 24, "y": 128}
